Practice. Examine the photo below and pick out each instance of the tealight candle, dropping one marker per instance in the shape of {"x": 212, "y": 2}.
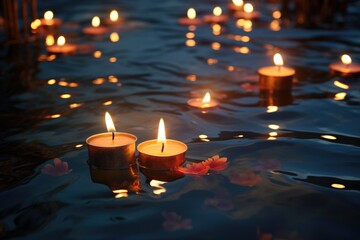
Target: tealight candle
{"x": 95, "y": 29}
{"x": 113, "y": 18}
{"x": 248, "y": 12}
{"x": 203, "y": 103}
{"x": 161, "y": 153}
{"x": 236, "y": 5}
{"x": 111, "y": 150}
{"x": 216, "y": 17}
{"x": 61, "y": 47}
{"x": 191, "y": 18}
{"x": 345, "y": 67}
{"x": 276, "y": 77}
{"x": 50, "y": 21}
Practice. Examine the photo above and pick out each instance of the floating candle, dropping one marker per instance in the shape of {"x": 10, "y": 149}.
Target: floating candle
{"x": 50, "y": 21}
{"x": 161, "y": 153}
{"x": 203, "y": 103}
{"x": 191, "y": 18}
{"x": 236, "y": 5}
{"x": 95, "y": 29}
{"x": 61, "y": 47}
{"x": 111, "y": 150}
{"x": 216, "y": 17}
{"x": 346, "y": 67}
{"x": 248, "y": 12}
{"x": 114, "y": 18}
{"x": 276, "y": 77}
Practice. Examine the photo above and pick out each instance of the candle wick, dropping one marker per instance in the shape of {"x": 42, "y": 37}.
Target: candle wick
{"x": 113, "y": 136}
{"x": 162, "y": 147}
{"x": 279, "y": 68}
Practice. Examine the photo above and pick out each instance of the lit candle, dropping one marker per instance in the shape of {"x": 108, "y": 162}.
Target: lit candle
{"x": 191, "y": 18}
{"x": 61, "y": 47}
{"x": 111, "y": 150}
{"x": 203, "y": 103}
{"x": 114, "y": 18}
{"x": 95, "y": 29}
{"x": 346, "y": 67}
{"x": 236, "y": 5}
{"x": 276, "y": 77}
{"x": 49, "y": 20}
{"x": 248, "y": 12}
{"x": 161, "y": 153}
{"x": 216, "y": 17}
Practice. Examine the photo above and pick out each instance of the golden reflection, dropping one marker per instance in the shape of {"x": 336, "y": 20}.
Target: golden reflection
{"x": 98, "y": 81}
{"x": 215, "y": 46}
{"x": 121, "y": 193}
{"x": 205, "y": 140}
{"x": 275, "y": 25}
{"x": 340, "y": 96}
{"x": 216, "y": 29}
{"x": 341, "y": 85}
{"x": 273, "y": 134}
{"x": 65, "y": 96}
{"x": 114, "y": 37}
{"x": 75, "y": 105}
{"x": 240, "y": 22}
{"x": 73, "y": 84}
{"x": 230, "y": 68}
{"x": 191, "y": 77}
{"x": 113, "y": 79}
{"x": 190, "y": 43}
{"x": 243, "y": 50}
{"x": 79, "y": 145}
{"x": 190, "y": 35}
{"x": 271, "y": 138}
{"x": 97, "y": 54}
{"x": 212, "y": 61}
{"x": 51, "y": 81}
{"x": 107, "y": 103}
{"x": 338, "y": 185}
{"x": 248, "y": 26}
{"x": 276, "y": 14}
{"x": 51, "y": 57}
{"x": 192, "y": 28}
{"x": 53, "y": 116}
{"x": 238, "y": 3}
{"x": 329, "y": 137}
{"x": 158, "y": 184}
{"x": 271, "y": 109}
{"x": 63, "y": 83}
{"x": 245, "y": 39}
{"x": 203, "y": 136}
{"x": 112, "y": 59}
{"x": 50, "y": 40}
{"x": 35, "y": 24}
{"x": 274, "y": 126}
{"x": 239, "y": 136}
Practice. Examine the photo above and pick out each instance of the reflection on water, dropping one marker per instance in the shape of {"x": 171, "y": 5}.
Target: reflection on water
{"x": 292, "y": 155}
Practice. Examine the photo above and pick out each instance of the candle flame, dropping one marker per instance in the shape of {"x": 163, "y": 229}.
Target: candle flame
{"x": 206, "y": 98}
{"x": 238, "y": 3}
{"x": 161, "y": 132}
{"x": 61, "y": 41}
{"x": 95, "y": 22}
{"x": 191, "y": 13}
{"x": 109, "y": 123}
{"x": 48, "y": 15}
{"x": 50, "y": 40}
{"x": 278, "y": 60}
{"x": 114, "y": 15}
{"x": 346, "y": 59}
{"x": 217, "y": 11}
{"x": 248, "y": 8}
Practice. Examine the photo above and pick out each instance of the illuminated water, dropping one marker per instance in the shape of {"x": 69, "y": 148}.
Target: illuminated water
{"x": 289, "y": 170}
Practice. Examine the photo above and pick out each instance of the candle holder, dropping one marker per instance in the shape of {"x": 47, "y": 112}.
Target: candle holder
{"x": 275, "y": 81}
{"x": 346, "y": 67}
{"x": 107, "y": 156}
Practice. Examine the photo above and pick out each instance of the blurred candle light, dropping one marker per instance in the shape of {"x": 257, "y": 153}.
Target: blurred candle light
{"x": 190, "y": 18}
{"x": 248, "y": 12}
{"x": 114, "y": 16}
{"x": 50, "y": 40}
{"x": 328, "y": 137}
{"x": 51, "y": 81}
{"x": 95, "y": 28}
{"x": 236, "y": 5}
{"x": 65, "y": 96}
{"x": 49, "y": 21}
{"x": 61, "y": 47}
{"x": 216, "y": 17}
{"x": 341, "y": 85}
{"x": 337, "y": 186}
{"x": 114, "y": 37}
{"x": 346, "y": 67}
{"x": 203, "y": 103}
{"x": 97, "y": 54}
{"x": 340, "y": 96}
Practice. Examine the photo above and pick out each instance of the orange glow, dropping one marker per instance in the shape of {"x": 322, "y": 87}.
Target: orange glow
{"x": 271, "y": 109}
{"x": 340, "y": 96}
{"x": 112, "y": 59}
{"x": 240, "y": 22}
{"x": 230, "y": 68}
{"x": 216, "y": 46}
{"x": 158, "y": 184}
{"x": 238, "y": 3}
{"x": 278, "y": 59}
{"x": 329, "y": 137}
{"x": 114, "y": 15}
{"x": 212, "y": 61}
{"x": 341, "y": 85}
{"x": 95, "y": 22}
{"x": 53, "y": 116}
{"x": 247, "y": 25}
{"x": 121, "y": 193}
{"x": 274, "y": 126}
{"x": 243, "y": 50}
{"x": 248, "y": 8}
{"x": 113, "y": 79}
{"x": 206, "y": 98}
{"x": 50, "y": 40}
{"x": 48, "y": 15}
{"x": 245, "y": 39}
{"x": 191, "y": 77}
{"x": 98, "y": 81}
{"x": 97, "y": 54}
{"x": 217, "y": 11}
{"x": 276, "y": 14}
{"x": 275, "y": 25}
{"x": 338, "y": 185}
{"x": 161, "y": 132}
{"x": 114, "y": 37}
{"x": 65, "y": 96}
{"x": 63, "y": 83}
{"x": 75, "y": 105}
{"x": 190, "y": 43}
{"x": 273, "y": 134}
{"x": 191, "y": 13}
{"x": 346, "y": 59}
{"x": 35, "y": 24}
{"x": 190, "y": 35}
{"x": 109, "y": 123}
{"x": 61, "y": 41}
{"x": 107, "y": 103}
{"x": 73, "y": 84}
{"x": 51, "y": 81}
{"x": 216, "y": 28}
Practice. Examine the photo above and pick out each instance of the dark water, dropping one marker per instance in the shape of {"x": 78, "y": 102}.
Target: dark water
{"x": 279, "y": 181}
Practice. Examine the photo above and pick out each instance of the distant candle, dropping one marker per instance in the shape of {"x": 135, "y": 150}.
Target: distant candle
{"x": 111, "y": 150}
{"x": 346, "y": 67}
{"x": 216, "y": 17}
{"x": 276, "y": 77}
{"x": 236, "y": 5}
{"x": 49, "y": 20}
{"x": 61, "y": 47}
{"x": 191, "y": 18}
{"x": 161, "y": 153}
{"x": 248, "y": 12}
{"x": 114, "y": 18}
{"x": 95, "y": 29}
{"x": 203, "y": 103}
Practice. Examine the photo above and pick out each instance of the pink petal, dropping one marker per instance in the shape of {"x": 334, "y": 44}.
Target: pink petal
{"x": 216, "y": 163}
{"x": 248, "y": 179}
{"x": 195, "y": 169}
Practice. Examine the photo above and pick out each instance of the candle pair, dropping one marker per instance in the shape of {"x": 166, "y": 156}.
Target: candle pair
{"x": 116, "y": 150}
